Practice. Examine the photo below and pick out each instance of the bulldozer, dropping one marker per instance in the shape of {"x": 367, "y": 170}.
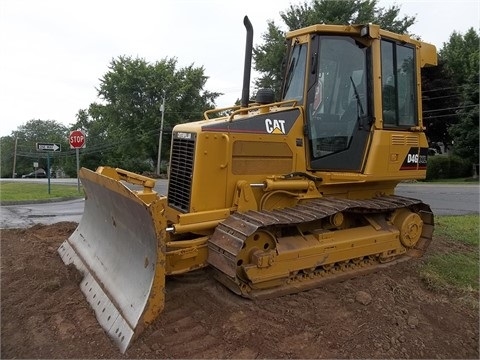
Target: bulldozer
{"x": 277, "y": 197}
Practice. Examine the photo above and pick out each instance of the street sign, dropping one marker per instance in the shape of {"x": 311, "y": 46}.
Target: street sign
{"x": 48, "y": 147}
{"x": 77, "y": 139}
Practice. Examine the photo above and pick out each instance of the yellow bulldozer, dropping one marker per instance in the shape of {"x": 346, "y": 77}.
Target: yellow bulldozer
{"x": 276, "y": 196}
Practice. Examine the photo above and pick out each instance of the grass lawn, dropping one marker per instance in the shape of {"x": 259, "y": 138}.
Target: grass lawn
{"x": 24, "y": 191}
{"x": 457, "y": 266}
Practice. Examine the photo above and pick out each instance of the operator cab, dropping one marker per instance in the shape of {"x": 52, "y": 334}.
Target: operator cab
{"x": 331, "y": 74}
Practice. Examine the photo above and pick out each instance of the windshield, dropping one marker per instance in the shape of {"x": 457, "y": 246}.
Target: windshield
{"x": 337, "y": 102}
{"x": 295, "y": 79}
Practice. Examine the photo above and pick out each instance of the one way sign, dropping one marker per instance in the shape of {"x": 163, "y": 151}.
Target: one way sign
{"x": 48, "y": 147}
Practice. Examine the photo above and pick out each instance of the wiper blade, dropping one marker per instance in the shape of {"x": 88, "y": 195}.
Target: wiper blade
{"x": 360, "y": 112}
{"x": 359, "y": 103}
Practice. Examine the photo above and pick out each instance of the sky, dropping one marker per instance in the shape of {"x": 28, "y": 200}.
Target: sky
{"x": 53, "y": 52}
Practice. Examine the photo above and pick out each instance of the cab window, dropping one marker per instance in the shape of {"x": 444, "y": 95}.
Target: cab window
{"x": 398, "y": 85}
{"x": 338, "y": 99}
{"x": 295, "y": 79}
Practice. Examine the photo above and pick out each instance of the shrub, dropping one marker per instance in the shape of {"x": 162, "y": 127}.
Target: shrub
{"x": 447, "y": 167}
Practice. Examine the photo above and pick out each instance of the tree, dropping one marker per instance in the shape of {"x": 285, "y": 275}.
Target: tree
{"x": 438, "y": 97}
{"x": 123, "y": 130}
{"x": 20, "y": 147}
{"x": 461, "y": 58}
{"x": 268, "y": 57}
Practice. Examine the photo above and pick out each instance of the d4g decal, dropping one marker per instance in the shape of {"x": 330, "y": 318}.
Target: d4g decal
{"x": 416, "y": 159}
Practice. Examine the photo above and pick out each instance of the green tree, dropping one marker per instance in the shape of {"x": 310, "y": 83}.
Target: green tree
{"x": 20, "y": 147}
{"x": 123, "y": 130}
{"x": 269, "y": 56}
{"x": 269, "y": 59}
{"x": 438, "y": 97}
{"x": 461, "y": 58}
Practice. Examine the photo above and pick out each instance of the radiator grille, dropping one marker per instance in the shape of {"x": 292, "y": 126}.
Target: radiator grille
{"x": 405, "y": 140}
{"x": 412, "y": 141}
{"x": 181, "y": 172}
{"x": 398, "y": 140}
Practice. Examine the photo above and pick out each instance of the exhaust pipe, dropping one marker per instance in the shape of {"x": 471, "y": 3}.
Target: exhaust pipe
{"x": 248, "y": 63}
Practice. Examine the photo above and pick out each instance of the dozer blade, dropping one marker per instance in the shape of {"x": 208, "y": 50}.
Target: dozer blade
{"x": 119, "y": 248}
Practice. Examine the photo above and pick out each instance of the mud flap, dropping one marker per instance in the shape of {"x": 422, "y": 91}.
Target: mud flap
{"x": 119, "y": 248}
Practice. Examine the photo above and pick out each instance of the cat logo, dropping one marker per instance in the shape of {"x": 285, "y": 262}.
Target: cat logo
{"x": 275, "y": 126}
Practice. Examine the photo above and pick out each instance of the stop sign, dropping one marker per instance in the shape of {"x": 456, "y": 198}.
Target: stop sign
{"x": 77, "y": 139}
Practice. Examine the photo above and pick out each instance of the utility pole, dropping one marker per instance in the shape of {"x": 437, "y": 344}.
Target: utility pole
{"x": 162, "y": 109}
{"x": 15, "y": 158}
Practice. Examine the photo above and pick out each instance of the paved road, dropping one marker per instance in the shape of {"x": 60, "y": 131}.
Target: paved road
{"x": 23, "y": 216}
{"x": 443, "y": 199}
{"x": 26, "y": 215}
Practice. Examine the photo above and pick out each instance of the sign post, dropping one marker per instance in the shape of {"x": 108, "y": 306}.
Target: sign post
{"x": 48, "y": 148}
{"x": 77, "y": 141}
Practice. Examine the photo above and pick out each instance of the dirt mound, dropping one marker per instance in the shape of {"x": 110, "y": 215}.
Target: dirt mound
{"x": 384, "y": 315}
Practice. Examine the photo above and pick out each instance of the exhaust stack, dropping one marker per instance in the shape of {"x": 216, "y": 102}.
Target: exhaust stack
{"x": 248, "y": 63}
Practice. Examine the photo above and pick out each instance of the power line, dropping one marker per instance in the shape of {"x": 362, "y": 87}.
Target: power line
{"x": 449, "y": 87}
{"x": 441, "y": 97}
{"x": 451, "y": 108}
{"x": 440, "y": 116}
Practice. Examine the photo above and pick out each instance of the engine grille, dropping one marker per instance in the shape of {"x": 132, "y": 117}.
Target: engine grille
{"x": 181, "y": 171}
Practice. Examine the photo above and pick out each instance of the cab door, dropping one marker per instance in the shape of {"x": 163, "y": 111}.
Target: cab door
{"x": 338, "y": 111}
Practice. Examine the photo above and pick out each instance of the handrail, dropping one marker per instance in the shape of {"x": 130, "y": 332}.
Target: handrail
{"x": 261, "y": 106}
{"x": 237, "y": 109}
{"x": 212, "y": 111}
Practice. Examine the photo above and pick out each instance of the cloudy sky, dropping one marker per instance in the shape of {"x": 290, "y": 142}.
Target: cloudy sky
{"x": 53, "y": 52}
